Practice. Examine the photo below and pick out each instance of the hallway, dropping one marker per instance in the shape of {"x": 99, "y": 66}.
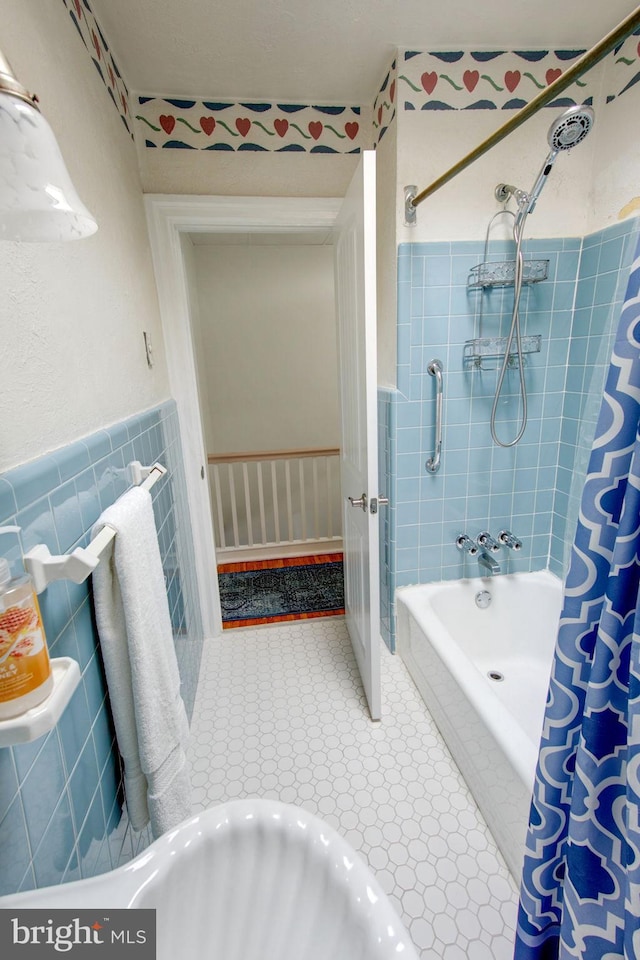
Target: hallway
{"x": 280, "y": 713}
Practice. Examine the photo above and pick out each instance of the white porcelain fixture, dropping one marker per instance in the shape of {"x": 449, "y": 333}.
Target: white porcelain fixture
{"x": 480, "y": 653}
{"x": 248, "y": 880}
{"x": 37, "y": 198}
{"x": 39, "y": 720}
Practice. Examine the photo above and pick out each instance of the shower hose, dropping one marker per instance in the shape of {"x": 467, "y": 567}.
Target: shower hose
{"x": 514, "y": 332}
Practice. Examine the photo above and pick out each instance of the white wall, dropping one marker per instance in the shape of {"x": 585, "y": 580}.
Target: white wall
{"x": 245, "y": 174}
{"x": 387, "y": 268}
{"x": 72, "y": 315}
{"x": 191, "y": 278}
{"x": 268, "y": 339}
{"x": 616, "y": 166}
{"x": 429, "y": 144}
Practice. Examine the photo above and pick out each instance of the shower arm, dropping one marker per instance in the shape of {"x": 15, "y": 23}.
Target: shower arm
{"x": 589, "y": 59}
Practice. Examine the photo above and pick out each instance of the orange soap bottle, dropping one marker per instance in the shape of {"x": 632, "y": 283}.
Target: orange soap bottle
{"x": 25, "y": 669}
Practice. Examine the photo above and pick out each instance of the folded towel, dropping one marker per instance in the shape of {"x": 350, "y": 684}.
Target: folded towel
{"x": 136, "y": 639}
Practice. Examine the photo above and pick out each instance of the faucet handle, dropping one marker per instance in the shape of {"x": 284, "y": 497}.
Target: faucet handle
{"x": 463, "y": 542}
{"x": 507, "y": 538}
{"x": 486, "y": 541}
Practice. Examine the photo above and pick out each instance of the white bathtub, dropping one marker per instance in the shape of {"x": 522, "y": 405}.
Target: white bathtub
{"x": 451, "y": 646}
{"x": 247, "y": 880}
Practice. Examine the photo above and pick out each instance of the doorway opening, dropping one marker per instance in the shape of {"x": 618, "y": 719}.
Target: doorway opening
{"x": 264, "y": 330}
{"x": 173, "y": 221}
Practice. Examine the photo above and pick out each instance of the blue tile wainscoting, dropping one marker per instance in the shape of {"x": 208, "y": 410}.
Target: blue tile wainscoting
{"x": 532, "y": 488}
{"x": 61, "y": 800}
{"x": 602, "y": 281}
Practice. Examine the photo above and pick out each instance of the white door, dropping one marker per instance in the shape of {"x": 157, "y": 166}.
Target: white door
{"x": 355, "y": 273}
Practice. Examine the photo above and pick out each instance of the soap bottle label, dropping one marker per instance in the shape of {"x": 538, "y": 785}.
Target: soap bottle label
{"x": 24, "y": 660}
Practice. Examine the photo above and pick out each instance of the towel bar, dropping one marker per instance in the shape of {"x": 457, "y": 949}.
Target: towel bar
{"x": 78, "y": 565}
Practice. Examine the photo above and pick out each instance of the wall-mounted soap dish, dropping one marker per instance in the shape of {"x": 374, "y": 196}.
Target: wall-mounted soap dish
{"x": 39, "y": 720}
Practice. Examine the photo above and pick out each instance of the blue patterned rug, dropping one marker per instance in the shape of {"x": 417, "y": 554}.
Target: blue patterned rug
{"x": 288, "y": 592}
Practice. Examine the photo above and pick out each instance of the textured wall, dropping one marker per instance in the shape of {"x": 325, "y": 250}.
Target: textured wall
{"x": 72, "y": 315}
{"x": 268, "y": 335}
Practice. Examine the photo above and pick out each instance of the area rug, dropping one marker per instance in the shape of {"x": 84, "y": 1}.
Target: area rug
{"x": 269, "y": 591}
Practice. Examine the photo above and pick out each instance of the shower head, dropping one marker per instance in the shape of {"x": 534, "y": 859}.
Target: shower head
{"x": 566, "y": 132}
{"x": 570, "y": 128}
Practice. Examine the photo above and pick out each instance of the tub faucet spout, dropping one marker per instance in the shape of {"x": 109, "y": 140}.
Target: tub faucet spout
{"x": 488, "y": 566}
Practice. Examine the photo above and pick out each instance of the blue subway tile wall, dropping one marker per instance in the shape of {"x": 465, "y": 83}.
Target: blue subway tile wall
{"x": 480, "y": 485}
{"x": 602, "y": 280}
{"x": 61, "y": 799}
{"x": 525, "y": 488}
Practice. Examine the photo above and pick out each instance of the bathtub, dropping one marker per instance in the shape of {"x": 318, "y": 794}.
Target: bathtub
{"x": 247, "y": 880}
{"x": 480, "y": 653}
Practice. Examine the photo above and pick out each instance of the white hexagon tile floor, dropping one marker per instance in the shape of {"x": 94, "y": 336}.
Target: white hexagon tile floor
{"x": 280, "y": 712}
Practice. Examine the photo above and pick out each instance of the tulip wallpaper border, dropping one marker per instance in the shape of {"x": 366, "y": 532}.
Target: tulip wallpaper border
{"x": 384, "y": 105}
{"x": 97, "y": 47}
{"x": 507, "y": 80}
{"x": 230, "y": 125}
{"x": 415, "y": 80}
{"x": 485, "y": 80}
{"x": 625, "y": 72}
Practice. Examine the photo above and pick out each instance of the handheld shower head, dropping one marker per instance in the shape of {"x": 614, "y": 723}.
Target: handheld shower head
{"x": 566, "y": 132}
{"x": 570, "y": 128}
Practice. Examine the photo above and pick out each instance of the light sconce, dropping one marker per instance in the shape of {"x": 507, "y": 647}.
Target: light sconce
{"x": 37, "y": 198}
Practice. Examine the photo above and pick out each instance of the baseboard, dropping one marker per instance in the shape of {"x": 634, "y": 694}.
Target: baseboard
{"x": 278, "y": 551}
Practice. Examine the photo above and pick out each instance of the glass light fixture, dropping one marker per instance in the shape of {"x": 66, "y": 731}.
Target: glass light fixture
{"x": 37, "y": 198}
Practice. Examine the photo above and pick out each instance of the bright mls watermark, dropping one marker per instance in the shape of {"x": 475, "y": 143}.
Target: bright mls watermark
{"x": 81, "y": 934}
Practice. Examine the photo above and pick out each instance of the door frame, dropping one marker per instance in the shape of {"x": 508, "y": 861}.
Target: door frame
{"x": 169, "y": 217}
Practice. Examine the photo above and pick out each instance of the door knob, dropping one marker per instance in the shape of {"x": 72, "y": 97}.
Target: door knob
{"x": 361, "y": 501}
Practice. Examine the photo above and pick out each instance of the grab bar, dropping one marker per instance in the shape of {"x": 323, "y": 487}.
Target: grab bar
{"x": 434, "y": 368}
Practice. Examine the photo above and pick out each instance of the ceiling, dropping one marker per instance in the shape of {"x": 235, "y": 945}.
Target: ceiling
{"x": 324, "y": 51}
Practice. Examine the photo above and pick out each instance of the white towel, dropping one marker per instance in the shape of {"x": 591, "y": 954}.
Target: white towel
{"x": 136, "y": 639}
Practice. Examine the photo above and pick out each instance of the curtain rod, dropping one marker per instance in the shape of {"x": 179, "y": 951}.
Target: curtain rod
{"x": 584, "y": 63}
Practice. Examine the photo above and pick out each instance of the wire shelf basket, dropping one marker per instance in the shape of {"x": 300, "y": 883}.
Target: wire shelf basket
{"x": 487, "y": 353}
{"x": 502, "y": 273}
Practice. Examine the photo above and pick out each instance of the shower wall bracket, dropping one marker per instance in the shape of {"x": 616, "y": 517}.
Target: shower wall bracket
{"x": 410, "y": 211}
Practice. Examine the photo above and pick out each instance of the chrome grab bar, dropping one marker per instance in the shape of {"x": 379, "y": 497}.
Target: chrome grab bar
{"x": 434, "y": 368}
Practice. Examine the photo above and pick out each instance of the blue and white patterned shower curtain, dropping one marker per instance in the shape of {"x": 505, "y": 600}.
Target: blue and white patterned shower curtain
{"x": 580, "y": 894}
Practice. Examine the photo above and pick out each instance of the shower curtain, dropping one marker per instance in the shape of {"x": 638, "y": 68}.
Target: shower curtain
{"x": 580, "y": 894}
